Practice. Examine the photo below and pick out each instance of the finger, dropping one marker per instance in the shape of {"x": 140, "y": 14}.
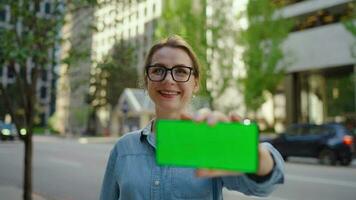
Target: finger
{"x": 186, "y": 116}
{"x": 216, "y": 117}
{"x": 234, "y": 117}
{"x": 201, "y": 115}
{"x": 215, "y": 173}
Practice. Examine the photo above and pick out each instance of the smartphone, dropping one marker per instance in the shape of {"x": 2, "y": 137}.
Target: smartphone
{"x": 226, "y": 145}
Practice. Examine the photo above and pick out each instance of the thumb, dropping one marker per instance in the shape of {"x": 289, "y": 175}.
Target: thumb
{"x": 186, "y": 116}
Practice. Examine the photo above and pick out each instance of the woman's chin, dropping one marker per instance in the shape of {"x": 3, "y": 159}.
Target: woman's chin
{"x": 169, "y": 108}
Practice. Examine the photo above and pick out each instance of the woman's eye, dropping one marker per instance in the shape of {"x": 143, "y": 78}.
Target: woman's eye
{"x": 181, "y": 71}
{"x": 158, "y": 71}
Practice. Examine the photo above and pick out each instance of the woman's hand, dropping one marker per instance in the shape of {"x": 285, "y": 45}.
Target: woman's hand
{"x": 213, "y": 117}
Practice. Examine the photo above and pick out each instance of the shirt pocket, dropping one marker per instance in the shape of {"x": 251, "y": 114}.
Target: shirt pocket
{"x": 187, "y": 186}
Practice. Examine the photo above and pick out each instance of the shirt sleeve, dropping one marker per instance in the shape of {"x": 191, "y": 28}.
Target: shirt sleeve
{"x": 249, "y": 186}
{"x": 110, "y": 189}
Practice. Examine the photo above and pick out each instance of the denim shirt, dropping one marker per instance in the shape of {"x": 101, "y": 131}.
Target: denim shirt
{"x": 133, "y": 174}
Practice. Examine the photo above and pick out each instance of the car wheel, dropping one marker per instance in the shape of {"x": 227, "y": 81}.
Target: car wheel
{"x": 345, "y": 161}
{"x": 327, "y": 157}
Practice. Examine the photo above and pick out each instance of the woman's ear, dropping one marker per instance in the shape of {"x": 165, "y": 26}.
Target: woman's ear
{"x": 196, "y": 86}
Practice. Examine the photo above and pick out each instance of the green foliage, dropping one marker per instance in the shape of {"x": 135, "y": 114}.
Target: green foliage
{"x": 114, "y": 74}
{"x": 38, "y": 130}
{"x": 27, "y": 35}
{"x": 52, "y": 121}
{"x": 81, "y": 114}
{"x": 30, "y": 34}
{"x": 187, "y": 19}
{"x": 263, "y": 53}
{"x": 340, "y": 95}
{"x": 350, "y": 26}
{"x": 75, "y": 55}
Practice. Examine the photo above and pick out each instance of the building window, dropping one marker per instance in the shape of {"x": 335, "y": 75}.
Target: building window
{"x": 37, "y": 7}
{"x": 43, "y": 119}
{"x": 3, "y": 15}
{"x": 44, "y": 75}
{"x": 322, "y": 17}
{"x": 47, "y": 7}
{"x": 43, "y": 92}
{"x": 11, "y": 71}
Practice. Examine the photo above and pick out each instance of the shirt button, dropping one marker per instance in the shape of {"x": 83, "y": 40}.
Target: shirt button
{"x": 157, "y": 183}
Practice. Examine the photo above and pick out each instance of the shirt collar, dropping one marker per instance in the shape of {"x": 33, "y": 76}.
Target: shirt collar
{"x": 146, "y": 134}
{"x": 147, "y": 129}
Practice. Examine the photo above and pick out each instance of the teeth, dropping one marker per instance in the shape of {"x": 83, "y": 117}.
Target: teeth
{"x": 168, "y": 92}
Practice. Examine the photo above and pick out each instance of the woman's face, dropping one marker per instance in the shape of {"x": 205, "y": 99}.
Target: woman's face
{"x": 169, "y": 96}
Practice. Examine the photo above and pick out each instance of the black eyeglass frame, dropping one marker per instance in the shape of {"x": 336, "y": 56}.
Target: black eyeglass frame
{"x": 191, "y": 70}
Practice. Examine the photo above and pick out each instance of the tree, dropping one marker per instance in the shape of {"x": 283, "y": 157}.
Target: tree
{"x": 115, "y": 73}
{"x": 263, "y": 54}
{"x": 187, "y": 19}
{"x": 27, "y": 41}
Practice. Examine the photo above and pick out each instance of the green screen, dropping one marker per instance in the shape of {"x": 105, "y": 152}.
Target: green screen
{"x": 229, "y": 146}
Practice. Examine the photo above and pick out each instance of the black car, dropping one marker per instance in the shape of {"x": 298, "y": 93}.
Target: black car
{"x": 331, "y": 143}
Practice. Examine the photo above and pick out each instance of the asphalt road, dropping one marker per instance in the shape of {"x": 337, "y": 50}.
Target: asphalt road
{"x": 65, "y": 169}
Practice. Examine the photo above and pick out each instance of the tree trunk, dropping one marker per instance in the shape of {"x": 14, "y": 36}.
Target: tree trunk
{"x": 27, "y": 184}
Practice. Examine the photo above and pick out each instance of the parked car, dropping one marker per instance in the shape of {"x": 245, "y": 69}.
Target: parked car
{"x": 331, "y": 143}
{"x": 7, "y": 131}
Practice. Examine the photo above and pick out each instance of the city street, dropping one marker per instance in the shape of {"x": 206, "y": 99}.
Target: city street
{"x": 65, "y": 169}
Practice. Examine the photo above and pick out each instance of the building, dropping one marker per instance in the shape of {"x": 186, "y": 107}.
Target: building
{"x": 133, "y": 111}
{"x": 116, "y": 22}
{"x": 119, "y": 21}
{"x": 72, "y": 111}
{"x": 320, "y": 84}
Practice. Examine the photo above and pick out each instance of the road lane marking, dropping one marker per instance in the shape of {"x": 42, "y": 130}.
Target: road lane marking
{"x": 66, "y": 162}
{"x": 321, "y": 180}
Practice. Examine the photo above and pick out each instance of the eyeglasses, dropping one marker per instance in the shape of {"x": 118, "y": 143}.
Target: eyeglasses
{"x": 179, "y": 73}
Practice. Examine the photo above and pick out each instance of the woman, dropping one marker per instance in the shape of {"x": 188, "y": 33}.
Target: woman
{"x": 171, "y": 78}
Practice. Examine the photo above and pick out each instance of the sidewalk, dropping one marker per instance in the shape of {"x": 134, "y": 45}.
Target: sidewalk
{"x": 86, "y": 140}
{"x": 13, "y": 193}
{"x": 81, "y": 140}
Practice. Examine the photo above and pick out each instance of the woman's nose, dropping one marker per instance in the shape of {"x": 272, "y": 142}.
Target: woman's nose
{"x": 169, "y": 77}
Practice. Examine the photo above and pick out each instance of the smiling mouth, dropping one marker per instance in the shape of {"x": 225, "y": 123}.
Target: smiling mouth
{"x": 168, "y": 93}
